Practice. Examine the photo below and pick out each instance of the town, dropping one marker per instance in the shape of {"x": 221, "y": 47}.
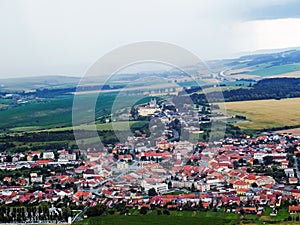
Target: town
{"x": 242, "y": 175}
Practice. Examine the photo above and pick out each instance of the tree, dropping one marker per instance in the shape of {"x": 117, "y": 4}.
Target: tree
{"x": 144, "y": 210}
{"x": 235, "y": 164}
{"x": 193, "y": 189}
{"x": 242, "y": 161}
{"x": 254, "y": 185}
{"x": 242, "y": 212}
{"x": 35, "y": 158}
{"x": 268, "y": 160}
{"x": 159, "y": 212}
{"x": 255, "y": 162}
{"x": 97, "y": 210}
{"x": 166, "y": 212}
{"x": 169, "y": 185}
{"x": 152, "y": 192}
{"x": 8, "y": 158}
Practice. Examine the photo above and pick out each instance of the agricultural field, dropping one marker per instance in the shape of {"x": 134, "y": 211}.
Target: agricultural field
{"x": 2, "y": 106}
{"x": 57, "y": 112}
{"x": 63, "y": 137}
{"x": 269, "y": 70}
{"x": 262, "y": 114}
{"x": 119, "y": 125}
{"x": 226, "y": 88}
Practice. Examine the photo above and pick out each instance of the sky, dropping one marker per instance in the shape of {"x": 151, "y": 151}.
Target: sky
{"x": 65, "y": 37}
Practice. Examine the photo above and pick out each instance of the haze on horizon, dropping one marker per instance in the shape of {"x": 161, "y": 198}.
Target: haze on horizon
{"x": 65, "y": 37}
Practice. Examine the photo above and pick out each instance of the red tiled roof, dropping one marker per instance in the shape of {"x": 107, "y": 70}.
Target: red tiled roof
{"x": 294, "y": 208}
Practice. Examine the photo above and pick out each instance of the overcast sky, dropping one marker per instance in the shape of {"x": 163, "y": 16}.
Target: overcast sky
{"x": 65, "y": 37}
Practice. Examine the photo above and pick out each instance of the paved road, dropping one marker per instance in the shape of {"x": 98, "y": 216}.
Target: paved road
{"x": 224, "y": 76}
{"x": 297, "y": 168}
{"x": 79, "y": 215}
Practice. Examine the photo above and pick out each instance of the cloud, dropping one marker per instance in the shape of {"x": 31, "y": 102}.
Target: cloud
{"x": 66, "y": 36}
{"x": 269, "y": 34}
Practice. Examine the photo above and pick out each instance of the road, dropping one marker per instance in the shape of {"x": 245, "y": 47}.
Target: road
{"x": 79, "y": 215}
{"x": 98, "y": 190}
{"x": 224, "y": 76}
{"x": 296, "y": 167}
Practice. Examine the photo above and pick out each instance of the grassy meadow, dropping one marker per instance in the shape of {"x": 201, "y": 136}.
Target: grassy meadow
{"x": 176, "y": 217}
{"x": 190, "y": 218}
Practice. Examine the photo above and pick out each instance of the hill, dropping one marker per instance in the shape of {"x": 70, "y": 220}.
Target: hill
{"x": 38, "y": 82}
{"x": 258, "y": 66}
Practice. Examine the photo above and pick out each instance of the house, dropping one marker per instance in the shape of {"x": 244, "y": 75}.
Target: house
{"x": 158, "y": 187}
{"x": 293, "y": 180}
{"x": 284, "y": 164}
{"x": 65, "y": 155}
{"x": 251, "y": 210}
{"x": 294, "y": 209}
{"x": 32, "y": 154}
{"x": 63, "y": 193}
{"x": 202, "y": 187}
{"x": 48, "y": 155}
{"x": 289, "y": 172}
{"x": 7, "y": 179}
{"x": 240, "y": 185}
{"x": 43, "y": 162}
{"x": 81, "y": 195}
{"x": 81, "y": 169}
{"x": 126, "y": 157}
{"x": 242, "y": 191}
{"x": 89, "y": 173}
{"x": 35, "y": 178}
{"x": 164, "y": 145}
{"x": 122, "y": 165}
{"x": 265, "y": 180}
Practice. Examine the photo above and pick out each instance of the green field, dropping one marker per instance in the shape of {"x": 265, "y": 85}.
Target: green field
{"x": 264, "y": 69}
{"x": 176, "y": 217}
{"x": 262, "y": 114}
{"x": 57, "y": 112}
{"x": 190, "y": 218}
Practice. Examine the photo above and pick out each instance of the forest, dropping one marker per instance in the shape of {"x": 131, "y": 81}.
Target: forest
{"x": 273, "y": 88}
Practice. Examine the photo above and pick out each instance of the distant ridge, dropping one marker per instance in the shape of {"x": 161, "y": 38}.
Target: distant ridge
{"x": 36, "y": 82}
{"x": 265, "y": 51}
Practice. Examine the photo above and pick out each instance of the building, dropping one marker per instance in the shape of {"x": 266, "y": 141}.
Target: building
{"x": 48, "y": 155}
{"x": 289, "y": 172}
{"x": 65, "y": 155}
{"x": 149, "y": 109}
{"x": 122, "y": 165}
{"x": 35, "y": 178}
{"x": 294, "y": 209}
{"x": 160, "y": 188}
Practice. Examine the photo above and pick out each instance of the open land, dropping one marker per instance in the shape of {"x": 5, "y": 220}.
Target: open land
{"x": 263, "y": 114}
{"x": 187, "y": 217}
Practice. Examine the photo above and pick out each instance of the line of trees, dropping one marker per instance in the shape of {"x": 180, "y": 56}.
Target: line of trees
{"x": 273, "y": 88}
{"x": 33, "y": 213}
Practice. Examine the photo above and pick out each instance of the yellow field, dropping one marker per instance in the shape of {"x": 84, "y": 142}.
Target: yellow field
{"x": 266, "y": 113}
